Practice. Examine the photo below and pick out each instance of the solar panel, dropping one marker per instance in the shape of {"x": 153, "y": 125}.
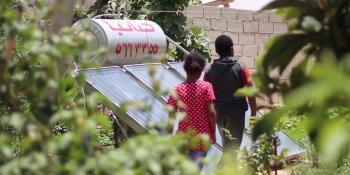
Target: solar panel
{"x": 286, "y": 143}
{"x": 168, "y": 80}
{"x": 120, "y": 87}
{"x": 178, "y": 66}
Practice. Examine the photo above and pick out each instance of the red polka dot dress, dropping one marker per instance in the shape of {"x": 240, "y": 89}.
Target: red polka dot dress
{"x": 196, "y": 97}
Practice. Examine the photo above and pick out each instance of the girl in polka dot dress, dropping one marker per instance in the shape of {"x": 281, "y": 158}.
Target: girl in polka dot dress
{"x": 197, "y": 97}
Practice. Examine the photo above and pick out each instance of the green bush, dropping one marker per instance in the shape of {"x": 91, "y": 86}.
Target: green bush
{"x": 318, "y": 84}
{"x": 47, "y": 125}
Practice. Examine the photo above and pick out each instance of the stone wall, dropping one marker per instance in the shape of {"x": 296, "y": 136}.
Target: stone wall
{"x": 249, "y": 31}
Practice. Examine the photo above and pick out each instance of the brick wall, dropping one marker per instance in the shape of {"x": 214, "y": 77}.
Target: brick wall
{"x": 249, "y": 31}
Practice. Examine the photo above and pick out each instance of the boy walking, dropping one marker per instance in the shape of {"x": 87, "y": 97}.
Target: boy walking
{"x": 227, "y": 75}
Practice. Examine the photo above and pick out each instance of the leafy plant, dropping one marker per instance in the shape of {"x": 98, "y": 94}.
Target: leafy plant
{"x": 198, "y": 41}
{"x": 47, "y": 125}
{"x": 261, "y": 158}
{"x": 316, "y": 25}
{"x": 318, "y": 84}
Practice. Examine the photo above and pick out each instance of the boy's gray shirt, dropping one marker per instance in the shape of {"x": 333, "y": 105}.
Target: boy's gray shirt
{"x": 225, "y": 74}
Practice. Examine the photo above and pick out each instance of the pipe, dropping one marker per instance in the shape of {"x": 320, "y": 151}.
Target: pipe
{"x": 112, "y": 15}
{"x": 177, "y": 45}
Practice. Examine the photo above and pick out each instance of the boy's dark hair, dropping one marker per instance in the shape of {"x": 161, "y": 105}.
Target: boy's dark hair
{"x": 223, "y": 44}
{"x": 194, "y": 63}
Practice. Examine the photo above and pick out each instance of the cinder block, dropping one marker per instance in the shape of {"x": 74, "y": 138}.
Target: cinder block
{"x": 212, "y": 12}
{"x": 275, "y": 18}
{"x": 235, "y": 26}
{"x": 194, "y": 11}
{"x": 261, "y": 39}
{"x": 189, "y": 23}
{"x": 249, "y": 50}
{"x": 245, "y": 15}
{"x": 213, "y": 35}
{"x": 280, "y": 28}
{"x": 218, "y": 24}
{"x": 251, "y": 26}
{"x": 265, "y": 27}
{"x": 272, "y": 35}
{"x": 261, "y": 50}
{"x": 212, "y": 49}
{"x": 248, "y": 61}
{"x": 229, "y": 14}
{"x": 237, "y": 50}
{"x": 261, "y": 16}
{"x": 246, "y": 39}
{"x": 233, "y": 36}
{"x": 202, "y": 22}
{"x": 262, "y": 101}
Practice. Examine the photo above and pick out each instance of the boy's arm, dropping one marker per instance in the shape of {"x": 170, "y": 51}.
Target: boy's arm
{"x": 252, "y": 104}
{"x": 247, "y": 81}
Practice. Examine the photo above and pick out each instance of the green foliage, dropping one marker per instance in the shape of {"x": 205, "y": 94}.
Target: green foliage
{"x": 140, "y": 156}
{"x": 79, "y": 13}
{"x": 173, "y": 24}
{"x": 138, "y": 8}
{"x": 316, "y": 89}
{"x": 261, "y": 157}
{"x": 316, "y": 25}
{"x": 99, "y": 7}
{"x": 47, "y": 125}
{"x": 198, "y": 41}
{"x": 106, "y": 138}
{"x": 231, "y": 165}
{"x": 345, "y": 166}
{"x": 323, "y": 101}
{"x": 195, "y": 2}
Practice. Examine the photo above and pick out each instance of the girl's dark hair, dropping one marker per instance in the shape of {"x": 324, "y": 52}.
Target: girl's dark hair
{"x": 194, "y": 63}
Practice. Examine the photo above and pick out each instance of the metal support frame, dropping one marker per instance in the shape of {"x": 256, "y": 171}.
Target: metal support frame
{"x": 117, "y": 129}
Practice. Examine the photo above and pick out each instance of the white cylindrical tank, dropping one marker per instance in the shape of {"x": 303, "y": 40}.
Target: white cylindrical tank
{"x": 127, "y": 41}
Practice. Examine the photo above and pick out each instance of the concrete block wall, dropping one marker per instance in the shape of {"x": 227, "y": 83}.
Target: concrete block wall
{"x": 249, "y": 30}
